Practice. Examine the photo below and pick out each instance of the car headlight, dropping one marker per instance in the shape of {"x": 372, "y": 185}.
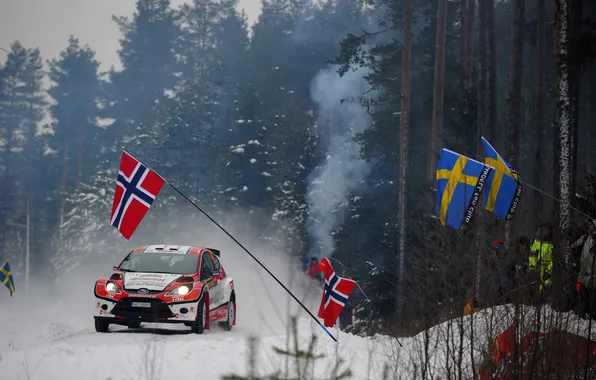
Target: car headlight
{"x": 181, "y": 290}
{"x": 111, "y": 287}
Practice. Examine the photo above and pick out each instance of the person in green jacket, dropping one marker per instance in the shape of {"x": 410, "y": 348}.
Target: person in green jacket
{"x": 541, "y": 257}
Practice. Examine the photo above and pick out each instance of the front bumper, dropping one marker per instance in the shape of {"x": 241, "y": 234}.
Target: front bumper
{"x": 145, "y": 310}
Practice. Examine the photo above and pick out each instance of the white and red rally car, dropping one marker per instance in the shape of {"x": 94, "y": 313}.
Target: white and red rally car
{"x": 167, "y": 284}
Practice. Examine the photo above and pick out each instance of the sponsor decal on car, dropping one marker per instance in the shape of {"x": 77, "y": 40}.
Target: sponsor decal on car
{"x": 143, "y": 295}
{"x": 148, "y": 281}
{"x": 217, "y": 297}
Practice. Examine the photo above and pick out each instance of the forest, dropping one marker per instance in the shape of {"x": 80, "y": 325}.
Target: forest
{"x": 326, "y": 119}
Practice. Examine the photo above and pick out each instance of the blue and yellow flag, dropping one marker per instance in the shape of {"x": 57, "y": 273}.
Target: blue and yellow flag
{"x": 503, "y": 185}
{"x": 6, "y": 277}
{"x": 459, "y": 183}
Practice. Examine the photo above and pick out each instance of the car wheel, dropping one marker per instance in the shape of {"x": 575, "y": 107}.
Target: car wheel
{"x": 198, "y": 326}
{"x": 134, "y": 325}
{"x": 101, "y": 325}
{"x": 227, "y": 325}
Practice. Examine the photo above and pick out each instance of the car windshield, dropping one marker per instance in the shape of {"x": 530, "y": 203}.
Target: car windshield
{"x": 160, "y": 263}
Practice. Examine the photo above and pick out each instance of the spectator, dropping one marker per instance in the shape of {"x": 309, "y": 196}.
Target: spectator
{"x": 541, "y": 258}
{"x": 313, "y": 269}
{"x": 586, "y": 280}
{"x": 502, "y": 267}
{"x": 522, "y": 256}
{"x": 524, "y": 279}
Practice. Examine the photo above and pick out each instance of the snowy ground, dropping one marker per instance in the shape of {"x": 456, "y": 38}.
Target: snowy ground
{"x": 55, "y": 339}
{"x": 51, "y": 335}
{"x": 58, "y": 341}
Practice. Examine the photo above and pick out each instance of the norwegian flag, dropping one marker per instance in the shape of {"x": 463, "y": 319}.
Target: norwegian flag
{"x": 136, "y": 188}
{"x": 335, "y": 294}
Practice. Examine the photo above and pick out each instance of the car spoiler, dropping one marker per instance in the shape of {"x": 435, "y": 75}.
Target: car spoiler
{"x": 216, "y": 252}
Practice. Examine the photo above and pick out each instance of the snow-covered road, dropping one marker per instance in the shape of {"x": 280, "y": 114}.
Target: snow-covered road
{"x": 51, "y": 335}
{"x": 67, "y": 347}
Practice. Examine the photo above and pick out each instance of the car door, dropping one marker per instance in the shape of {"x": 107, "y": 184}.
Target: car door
{"x": 216, "y": 286}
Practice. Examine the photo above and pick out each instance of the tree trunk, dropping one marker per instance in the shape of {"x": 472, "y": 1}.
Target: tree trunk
{"x": 80, "y": 159}
{"x": 436, "y": 135}
{"x": 463, "y": 56}
{"x": 491, "y": 71}
{"x": 539, "y": 110}
{"x": 514, "y": 92}
{"x": 467, "y": 12}
{"x": 481, "y": 116}
{"x": 589, "y": 133}
{"x": 403, "y": 149}
{"x": 564, "y": 111}
{"x": 27, "y": 245}
{"x": 514, "y": 87}
{"x": 575, "y": 57}
{"x": 63, "y": 188}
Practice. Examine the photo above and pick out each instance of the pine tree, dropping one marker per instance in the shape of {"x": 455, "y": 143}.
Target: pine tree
{"x": 21, "y": 111}
{"x": 76, "y": 91}
{"x": 150, "y": 67}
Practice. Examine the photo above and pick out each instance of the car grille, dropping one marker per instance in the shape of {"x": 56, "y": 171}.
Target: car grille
{"x": 156, "y": 312}
{"x": 136, "y": 291}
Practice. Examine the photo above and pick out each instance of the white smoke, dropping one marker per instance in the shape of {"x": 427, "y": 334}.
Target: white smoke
{"x": 343, "y": 173}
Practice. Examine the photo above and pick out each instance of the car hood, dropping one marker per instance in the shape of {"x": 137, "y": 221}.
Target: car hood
{"x": 150, "y": 281}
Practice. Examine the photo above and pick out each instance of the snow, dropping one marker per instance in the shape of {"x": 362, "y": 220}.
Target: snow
{"x": 53, "y": 338}
{"x": 57, "y": 341}
{"x": 51, "y": 335}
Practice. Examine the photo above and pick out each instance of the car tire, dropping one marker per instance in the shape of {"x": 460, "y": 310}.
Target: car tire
{"x": 198, "y": 326}
{"x": 227, "y": 325}
{"x": 134, "y": 325}
{"x": 102, "y": 325}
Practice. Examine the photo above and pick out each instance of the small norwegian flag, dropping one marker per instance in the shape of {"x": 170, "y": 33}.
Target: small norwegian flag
{"x": 335, "y": 294}
{"x": 136, "y": 188}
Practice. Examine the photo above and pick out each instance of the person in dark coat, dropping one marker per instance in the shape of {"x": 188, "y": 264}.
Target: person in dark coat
{"x": 586, "y": 247}
{"x": 523, "y": 278}
{"x": 502, "y": 268}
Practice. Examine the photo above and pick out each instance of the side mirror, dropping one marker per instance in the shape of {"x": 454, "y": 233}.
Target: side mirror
{"x": 115, "y": 267}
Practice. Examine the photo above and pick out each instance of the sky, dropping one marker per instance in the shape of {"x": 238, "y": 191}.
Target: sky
{"x": 47, "y": 24}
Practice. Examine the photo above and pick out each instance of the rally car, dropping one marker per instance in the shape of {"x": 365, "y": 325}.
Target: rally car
{"x": 167, "y": 284}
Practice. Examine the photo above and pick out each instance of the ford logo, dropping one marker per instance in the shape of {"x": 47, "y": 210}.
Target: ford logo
{"x": 144, "y": 291}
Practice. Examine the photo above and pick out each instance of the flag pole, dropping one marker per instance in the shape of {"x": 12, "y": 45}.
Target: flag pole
{"x": 242, "y": 246}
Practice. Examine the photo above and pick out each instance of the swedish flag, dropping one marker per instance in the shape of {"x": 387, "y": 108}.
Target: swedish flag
{"x": 6, "y": 277}
{"x": 459, "y": 183}
{"x": 503, "y": 186}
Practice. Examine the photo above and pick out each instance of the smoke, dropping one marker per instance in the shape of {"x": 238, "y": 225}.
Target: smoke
{"x": 343, "y": 172}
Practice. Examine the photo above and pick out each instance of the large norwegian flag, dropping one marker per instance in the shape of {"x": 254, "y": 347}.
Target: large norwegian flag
{"x": 335, "y": 294}
{"x": 136, "y": 188}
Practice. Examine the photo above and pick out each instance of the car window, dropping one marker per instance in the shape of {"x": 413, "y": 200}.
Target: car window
{"x": 206, "y": 267}
{"x": 216, "y": 264}
{"x": 160, "y": 263}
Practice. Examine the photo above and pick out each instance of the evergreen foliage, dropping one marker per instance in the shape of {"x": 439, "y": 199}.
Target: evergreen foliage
{"x": 259, "y": 117}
